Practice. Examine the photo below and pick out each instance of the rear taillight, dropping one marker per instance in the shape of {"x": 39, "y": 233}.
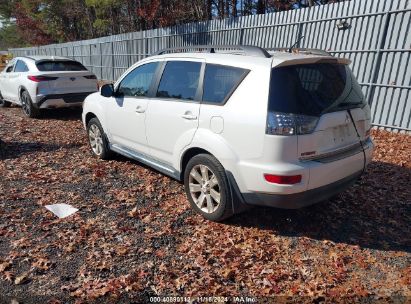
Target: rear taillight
{"x": 41, "y": 78}
{"x": 283, "y": 180}
{"x": 290, "y": 124}
{"x": 91, "y": 77}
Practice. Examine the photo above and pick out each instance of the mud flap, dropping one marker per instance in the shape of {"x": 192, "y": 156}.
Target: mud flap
{"x": 238, "y": 203}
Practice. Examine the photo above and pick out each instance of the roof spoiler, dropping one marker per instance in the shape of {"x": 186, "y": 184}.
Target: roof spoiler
{"x": 309, "y": 60}
{"x": 302, "y": 51}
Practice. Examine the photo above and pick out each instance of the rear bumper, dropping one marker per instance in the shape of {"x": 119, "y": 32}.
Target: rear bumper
{"x": 321, "y": 179}
{"x": 61, "y": 100}
{"x": 301, "y": 199}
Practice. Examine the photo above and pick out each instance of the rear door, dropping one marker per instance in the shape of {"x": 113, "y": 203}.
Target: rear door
{"x": 173, "y": 114}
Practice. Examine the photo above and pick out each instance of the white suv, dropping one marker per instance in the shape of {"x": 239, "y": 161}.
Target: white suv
{"x": 41, "y": 82}
{"x": 240, "y": 128}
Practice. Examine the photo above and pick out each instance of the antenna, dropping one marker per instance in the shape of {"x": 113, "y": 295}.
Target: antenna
{"x": 297, "y": 42}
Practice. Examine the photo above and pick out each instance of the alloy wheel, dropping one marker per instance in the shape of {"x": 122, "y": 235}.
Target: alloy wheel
{"x": 204, "y": 188}
{"x": 25, "y": 104}
{"x": 96, "y": 139}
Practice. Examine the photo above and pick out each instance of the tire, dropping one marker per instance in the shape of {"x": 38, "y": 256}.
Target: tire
{"x": 27, "y": 106}
{"x": 97, "y": 139}
{"x": 207, "y": 188}
{"x": 3, "y": 103}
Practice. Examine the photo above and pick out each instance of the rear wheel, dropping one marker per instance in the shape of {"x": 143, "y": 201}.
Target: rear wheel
{"x": 27, "y": 105}
{"x": 98, "y": 140}
{"x": 207, "y": 188}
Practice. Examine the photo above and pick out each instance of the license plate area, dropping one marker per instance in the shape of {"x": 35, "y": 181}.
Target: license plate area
{"x": 344, "y": 134}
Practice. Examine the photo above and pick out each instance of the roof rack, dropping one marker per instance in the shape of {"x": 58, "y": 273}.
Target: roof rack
{"x": 303, "y": 50}
{"x": 247, "y": 49}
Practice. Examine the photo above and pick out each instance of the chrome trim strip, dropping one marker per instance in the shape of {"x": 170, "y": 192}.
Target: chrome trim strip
{"x": 345, "y": 152}
{"x": 163, "y": 168}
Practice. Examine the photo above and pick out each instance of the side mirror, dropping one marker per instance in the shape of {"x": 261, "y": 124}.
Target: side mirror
{"x": 107, "y": 90}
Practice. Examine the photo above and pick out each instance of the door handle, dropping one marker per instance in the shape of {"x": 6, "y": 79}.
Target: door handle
{"x": 189, "y": 116}
{"x": 140, "y": 109}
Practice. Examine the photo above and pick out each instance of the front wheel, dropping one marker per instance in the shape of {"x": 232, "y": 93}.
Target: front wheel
{"x": 97, "y": 139}
{"x": 27, "y": 105}
{"x": 207, "y": 188}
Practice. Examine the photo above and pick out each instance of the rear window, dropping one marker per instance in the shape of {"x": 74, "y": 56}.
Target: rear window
{"x": 220, "y": 82}
{"x": 60, "y": 66}
{"x": 313, "y": 89}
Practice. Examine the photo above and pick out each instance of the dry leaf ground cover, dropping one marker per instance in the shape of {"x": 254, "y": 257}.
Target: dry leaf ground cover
{"x": 135, "y": 236}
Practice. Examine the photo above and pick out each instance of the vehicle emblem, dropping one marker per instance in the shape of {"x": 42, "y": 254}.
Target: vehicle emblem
{"x": 72, "y": 78}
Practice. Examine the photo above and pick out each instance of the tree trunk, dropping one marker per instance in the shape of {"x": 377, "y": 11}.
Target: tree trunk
{"x": 221, "y": 9}
{"x": 234, "y": 8}
{"x": 209, "y": 9}
{"x": 261, "y": 7}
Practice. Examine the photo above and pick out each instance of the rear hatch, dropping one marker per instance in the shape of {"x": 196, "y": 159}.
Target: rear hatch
{"x": 65, "y": 77}
{"x": 322, "y": 103}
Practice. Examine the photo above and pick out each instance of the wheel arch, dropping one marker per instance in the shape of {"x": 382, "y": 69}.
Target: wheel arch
{"x": 22, "y": 88}
{"x": 217, "y": 147}
{"x": 89, "y": 116}
{"x": 189, "y": 154}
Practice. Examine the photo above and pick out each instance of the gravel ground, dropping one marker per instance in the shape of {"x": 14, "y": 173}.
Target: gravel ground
{"x": 135, "y": 236}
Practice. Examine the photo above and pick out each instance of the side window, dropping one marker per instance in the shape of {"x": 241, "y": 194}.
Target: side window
{"x": 179, "y": 80}
{"x": 21, "y": 67}
{"x": 220, "y": 82}
{"x": 137, "y": 83}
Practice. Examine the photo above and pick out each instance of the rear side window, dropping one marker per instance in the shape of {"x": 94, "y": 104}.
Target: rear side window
{"x": 137, "y": 83}
{"x": 313, "y": 89}
{"x": 60, "y": 66}
{"x": 220, "y": 82}
{"x": 21, "y": 67}
{"x": 179, "y": 80}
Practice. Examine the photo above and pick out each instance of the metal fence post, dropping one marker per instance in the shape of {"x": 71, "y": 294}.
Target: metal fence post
{"x": 145, "y": 45}
{"x": 90, "y": 61}
{"x": 112, "y": 60}
{"x": 299, "y": 33}
{"x": 128, "y": 53}
{"x": 241, "y": 37}
{"x": 377, "y": 61}
{"x": 101, "y": 60}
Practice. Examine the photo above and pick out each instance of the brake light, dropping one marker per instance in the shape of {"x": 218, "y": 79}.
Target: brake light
{"x": 91, "y": 77}
{"x": 290, "y": 124}
{"x": 283, "y": 180}
{"x": 41, "y": 78}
